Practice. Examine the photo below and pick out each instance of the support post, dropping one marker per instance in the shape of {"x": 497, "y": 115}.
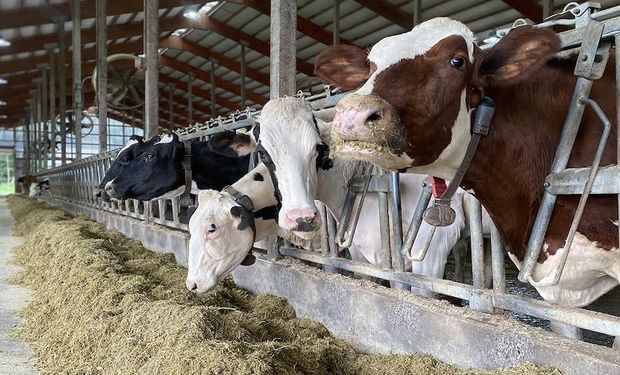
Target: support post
{"x": 212, "y": 88}
{"x": 547, "y": 8}
{"x": 52, "y": 98}
{"x": 151, "y": 44}
{"x": 417, "y": 12}
{"x": 171, "y": 88}
{"x": 102, "y": 74}
{"x": 62, "y": 87}
{"x": 190, "y": 99}
{"x": 336, "y": 29}
{"x": 76, "y": 38}
{"x": 242, "y": 44}
{"x": 283, "y": 48}
{"x": 44, "y": 115}
{"x": 27, "y": 137}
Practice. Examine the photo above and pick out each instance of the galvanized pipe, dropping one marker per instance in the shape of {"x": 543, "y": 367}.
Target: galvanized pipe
{"x": 190, "y": 99}
{"x": 243, "y": 105}
{"x": 62, "y": 87}
{"x": 617, "y": 49}
{"x": 477, "y": 244}
{"x": 212, "y": 88}
{"x": 547, "y": 8}
{"x": 416, "y": 222}
{"x": 396, "y": 224}
{"x": 102, "y": 73}
{"x": 76, "y": 38}
{"x": 384, "y": 227}
{"x": 52, "y": 106}
{"x": 498, "y": 262}
{"x": 27, "y": 137}
{"x": 44, "y": 114}
{"x": 417, "y": 12}
{"x": 282, "y": 62}
{"x": 151, "y": 45}
{"x": 336, "y": 28}
{"x": 171, "y": 89}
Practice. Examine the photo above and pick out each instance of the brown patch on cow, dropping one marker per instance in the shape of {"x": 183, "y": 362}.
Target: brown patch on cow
{"x": 345, "y": 66}
{"x": 427, "y": 113}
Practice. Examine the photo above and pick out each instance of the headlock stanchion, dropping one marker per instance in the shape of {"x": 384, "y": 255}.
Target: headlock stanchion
{"x": 74, "y": 184}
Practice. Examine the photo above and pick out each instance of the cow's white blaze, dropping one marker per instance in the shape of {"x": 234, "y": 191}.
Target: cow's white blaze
{"x": 590, "y": 272}
{"x": 166, "y": 138}
{"x": 288, "y": 134}
{"x": 129, "y": 143}
{"x": 389, "y": 51}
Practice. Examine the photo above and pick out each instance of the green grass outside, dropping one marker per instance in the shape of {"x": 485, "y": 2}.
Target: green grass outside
{"x": 7, "y": 188}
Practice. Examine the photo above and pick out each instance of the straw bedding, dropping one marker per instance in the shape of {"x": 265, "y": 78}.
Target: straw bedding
{"x": 105, "y": 305}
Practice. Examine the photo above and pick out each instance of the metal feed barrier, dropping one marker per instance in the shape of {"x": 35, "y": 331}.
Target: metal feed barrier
{"x": 75, "y": 183}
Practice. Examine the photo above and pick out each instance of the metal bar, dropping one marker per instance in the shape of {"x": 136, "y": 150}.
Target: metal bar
{"x": 62, "y": 88}
{"x": 336, "y": 23}
{"x": 171, "y": 89}
{"x": 212, "y": 88}
{"x": 477, "y": 244}
{"x": 548, "y": 7}
{"x": 325, "y": 243}
{"x": 76, "y": 36}
{"x": 190, "y": 99}
{"x": 384, "y": 227}
{"x": 52, "y": 99}
{"x": 151, "y": 39}
{"x": 27, "y": 138}
{"x": 102, "y": 73}
{"x": 498, "y": 262}
{"x": 417, "y": 12}
{"x": 282, "y": 60}
{"x": 617, "y": 49}
{"x": 416, "y": 222}
{"x": 44, "y": 114}
{"x": 396, "y": 223}
{"x": 37, "y": 124}
{"x": 242, "y": 89}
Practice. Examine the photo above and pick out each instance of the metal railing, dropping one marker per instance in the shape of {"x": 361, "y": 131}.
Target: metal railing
{"x": 75, "y": 183}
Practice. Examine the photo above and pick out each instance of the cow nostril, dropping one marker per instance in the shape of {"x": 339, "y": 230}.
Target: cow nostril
{"x": 375, "y": 116}
{"x": 98, "y": 194}
{"x": 194, "y": 287}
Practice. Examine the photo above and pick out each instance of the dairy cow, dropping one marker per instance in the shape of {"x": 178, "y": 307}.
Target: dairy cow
{"x": 412, "y": 110}
{"x": 157, "y": 172}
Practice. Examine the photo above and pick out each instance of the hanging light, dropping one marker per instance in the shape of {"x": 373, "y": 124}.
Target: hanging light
{"x": 3, "y": 81}
{"x": 4, "y": 42}
{"x": 191, "y": 14}
{"x": 2, "y": 102}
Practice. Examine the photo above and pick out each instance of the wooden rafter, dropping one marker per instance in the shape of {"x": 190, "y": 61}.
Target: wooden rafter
{"x": 529, "y": 8}
{"x": 199, "y": 92}
{"x": 389, "y": 11}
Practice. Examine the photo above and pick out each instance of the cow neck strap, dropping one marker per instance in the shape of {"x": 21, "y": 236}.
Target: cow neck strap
{"x": 441, "y": 214}
{"x": 186, "y": 199}
{"x": 271, "y": 168}
{"x": 246, "y": 204}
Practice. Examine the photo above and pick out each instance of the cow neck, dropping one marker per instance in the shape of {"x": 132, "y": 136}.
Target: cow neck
{"x": 508, "y": 170}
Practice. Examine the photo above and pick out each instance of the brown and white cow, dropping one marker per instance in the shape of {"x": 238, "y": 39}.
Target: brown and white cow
{"x": 412, "y": 111}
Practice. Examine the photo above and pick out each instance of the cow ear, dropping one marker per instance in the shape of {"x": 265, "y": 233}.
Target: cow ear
{"x": 518, "y": 55}
{"x": 205, "y": 195}
{"x": 243, "y": 214}
{"x": 344, "y": 66}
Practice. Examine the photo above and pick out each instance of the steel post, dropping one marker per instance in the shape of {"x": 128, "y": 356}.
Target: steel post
{"x": 44, "y": 114}
{"x": 190, "y": 99}
{"x": 477, "y": 244}
{"x": 171, "y": 104}
{"x": 396, "y": 224}
{"x": 547, "y": 8}
{"x": 283, "y": 51}
{"x": 62, "y": 88}
{"x": 242, "y": 105}
{"x": 497, "y": 260}
{"x": 151, "y": 45}
{"x": 102, "y": 74}
{"x": 52, "y": 106}
{"x": 617, "y": 49}
{"x": 212, "y": 88}
{"x": 27, "y": 137}
{"x": 417, "y": 12}
{"x": 76, "y": 39}
{"x": 336, "y": 28}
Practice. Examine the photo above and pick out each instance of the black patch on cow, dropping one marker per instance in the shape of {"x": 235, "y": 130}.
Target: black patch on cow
{"x": 258, "y": 177}
{"x": 323, "y": 161}
{"x": 249, "y": 259}
{"x": 256, "y": 131}
{"x": 246, "y": 218}
{"x": 267, "y": 213}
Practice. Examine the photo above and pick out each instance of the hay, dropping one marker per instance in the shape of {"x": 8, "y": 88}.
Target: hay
{"x": 104, "y": 304}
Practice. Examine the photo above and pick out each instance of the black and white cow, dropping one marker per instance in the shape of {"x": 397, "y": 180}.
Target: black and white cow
{"x": 157, "y": 172}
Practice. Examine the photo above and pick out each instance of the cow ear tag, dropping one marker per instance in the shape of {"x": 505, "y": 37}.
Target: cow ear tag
{"x": 441, "y": 214}
{"x": 249, "y": 259}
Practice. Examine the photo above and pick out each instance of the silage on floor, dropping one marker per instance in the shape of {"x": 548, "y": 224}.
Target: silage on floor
{"x": 104, "y": 304}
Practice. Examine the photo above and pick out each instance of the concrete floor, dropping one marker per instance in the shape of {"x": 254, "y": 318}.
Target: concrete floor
{"x": 15, "y": 356}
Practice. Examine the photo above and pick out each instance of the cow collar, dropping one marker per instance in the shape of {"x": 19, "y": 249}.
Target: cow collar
{"x": 248, "y": 207}
{"x": 186, "y": 199}
{"x": 441, "y": 214}
{"x": 323, "y": 161}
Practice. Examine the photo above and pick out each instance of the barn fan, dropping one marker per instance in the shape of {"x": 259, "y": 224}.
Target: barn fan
{"x": 87, "y": 123}
{"x": 125, "y": 82}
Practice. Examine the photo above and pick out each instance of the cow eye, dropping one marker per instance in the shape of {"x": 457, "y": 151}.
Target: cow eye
{"x": 212, "y": 228}
{"x": 125, "y": 159}
{"x": 457, "y": 62}
{"x": 149, "y": 156}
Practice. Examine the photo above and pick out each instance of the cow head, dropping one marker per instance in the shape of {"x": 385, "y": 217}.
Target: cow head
{"x": 288, "y": 134}
{"x": 221, "y": 237}
{"x": 415, "y": 91}
{"x": 154, "y": 172}
{"x": 125, "y": 156}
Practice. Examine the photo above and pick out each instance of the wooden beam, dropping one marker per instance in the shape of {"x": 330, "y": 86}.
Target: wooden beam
{"x": 207, "y": 23}
{"x": 178, "y": 43}
{"x": 529, "y": 8}
{"x": 205, "y": 77}
{"x": 390, "y": 12}
{"x": 43, "y": 14}
{"x": 164, "y": 78}
{"x": 304, "y": 25}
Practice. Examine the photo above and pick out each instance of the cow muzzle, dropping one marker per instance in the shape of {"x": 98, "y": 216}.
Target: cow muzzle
{"x": 366, "y": 125}
{"x": 111, "y": 191}
{"x": 302, "y": 221}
